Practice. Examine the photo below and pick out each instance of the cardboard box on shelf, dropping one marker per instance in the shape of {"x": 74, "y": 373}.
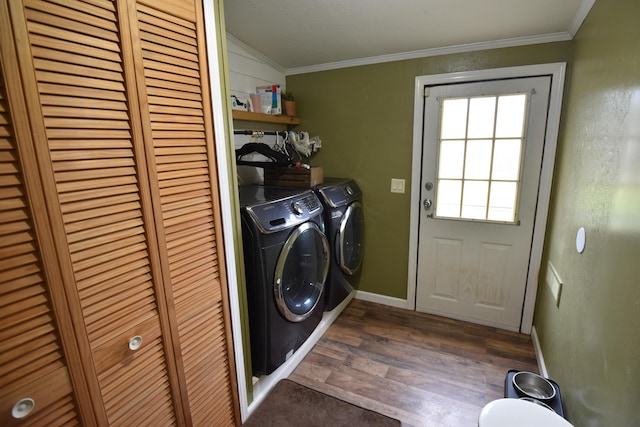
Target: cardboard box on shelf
{"x": 270, "y": 99}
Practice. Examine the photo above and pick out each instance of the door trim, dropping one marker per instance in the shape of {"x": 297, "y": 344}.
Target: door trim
{"x": 557, "y": 72}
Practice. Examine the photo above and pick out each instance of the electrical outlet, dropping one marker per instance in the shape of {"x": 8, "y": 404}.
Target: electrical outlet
{"x": 397, "y": 185}
{"x": 554, "y": 282}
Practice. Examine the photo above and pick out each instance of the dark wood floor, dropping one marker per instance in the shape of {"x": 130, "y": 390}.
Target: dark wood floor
{"x": 421, "y": 369}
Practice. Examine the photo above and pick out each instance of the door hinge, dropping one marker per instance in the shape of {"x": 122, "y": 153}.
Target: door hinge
{"x": 427, "y": 91}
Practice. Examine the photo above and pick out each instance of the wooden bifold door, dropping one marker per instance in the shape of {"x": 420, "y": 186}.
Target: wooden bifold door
{"x": 113, "y": 294}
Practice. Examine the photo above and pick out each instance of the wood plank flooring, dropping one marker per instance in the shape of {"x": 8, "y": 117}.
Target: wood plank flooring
{"x": 421, "y": 369}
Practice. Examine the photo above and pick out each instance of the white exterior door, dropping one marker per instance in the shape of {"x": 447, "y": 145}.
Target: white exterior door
{"x": 482, "y": 156}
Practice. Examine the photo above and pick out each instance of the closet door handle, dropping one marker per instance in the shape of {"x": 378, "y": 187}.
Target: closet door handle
{"x": 135, "y": 342}
{"x": 23, "y": 407}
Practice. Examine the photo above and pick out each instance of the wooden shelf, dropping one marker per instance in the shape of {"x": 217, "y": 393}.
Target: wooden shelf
{"x": 265, "y": 118}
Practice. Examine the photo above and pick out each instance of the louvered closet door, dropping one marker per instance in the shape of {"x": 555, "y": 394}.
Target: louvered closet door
{"x": 32, "y": 363}
{"x": 97, "y": 163}
{"x": 174, "y": 86}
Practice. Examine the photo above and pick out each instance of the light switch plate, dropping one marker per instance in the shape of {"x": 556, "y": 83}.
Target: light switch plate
{"x": 554, "y": 282}
{"x": 397, "y": 185}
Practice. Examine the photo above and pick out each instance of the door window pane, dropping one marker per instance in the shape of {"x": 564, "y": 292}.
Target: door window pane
{"x": 454, "y": 119}
{"x": 510, "y": 121}
{"x": 506, "y": 159}
{"x": 448, "y": 198}
{"x": 474, "y": 199}
{"x": 478, "y": 159}
{"x": 482, "y": 113}
{"x": 502, "y": 202}
{"x": 451, "y": 161}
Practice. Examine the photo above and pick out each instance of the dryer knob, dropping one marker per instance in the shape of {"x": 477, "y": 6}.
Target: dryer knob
{"x": 349, "y": 190}
{"x": 297, "y": 208}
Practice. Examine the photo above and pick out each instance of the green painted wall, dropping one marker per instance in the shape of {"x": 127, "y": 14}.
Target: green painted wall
{"x": 364, "y": 116}
{"x": 591, "y": 342}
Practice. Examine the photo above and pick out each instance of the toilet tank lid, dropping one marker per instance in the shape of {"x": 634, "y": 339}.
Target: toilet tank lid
{"x": 511, "y": 412}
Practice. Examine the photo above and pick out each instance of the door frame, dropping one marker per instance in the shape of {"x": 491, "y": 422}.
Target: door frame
{"x": 557, "y": 72}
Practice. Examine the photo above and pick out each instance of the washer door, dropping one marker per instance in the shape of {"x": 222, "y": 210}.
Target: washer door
{"x": 301, "y": 272}
{"x": 350, "y": 239}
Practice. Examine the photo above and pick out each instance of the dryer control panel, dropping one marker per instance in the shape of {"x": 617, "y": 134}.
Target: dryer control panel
{"x": 340, "y": 193}
{"x": 287, "y": 212}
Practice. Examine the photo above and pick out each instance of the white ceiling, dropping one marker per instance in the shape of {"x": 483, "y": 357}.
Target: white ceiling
{"x": 308, "y": 35}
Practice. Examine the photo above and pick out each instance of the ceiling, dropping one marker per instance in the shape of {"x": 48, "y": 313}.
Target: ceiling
{"x": 308, "y": 35}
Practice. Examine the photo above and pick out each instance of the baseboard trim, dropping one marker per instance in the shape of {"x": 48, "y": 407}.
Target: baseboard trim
{"x": 539, "y": 357}
{"x": 381, "y": 299}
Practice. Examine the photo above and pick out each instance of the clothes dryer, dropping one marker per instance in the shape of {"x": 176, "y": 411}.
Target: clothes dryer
{"x": 344, "y": 222}
{"x": 286, "y": 257}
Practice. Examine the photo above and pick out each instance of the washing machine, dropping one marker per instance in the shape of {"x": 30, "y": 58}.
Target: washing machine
{"x": 344, "y": 227}
{"x": 286, "y": 257}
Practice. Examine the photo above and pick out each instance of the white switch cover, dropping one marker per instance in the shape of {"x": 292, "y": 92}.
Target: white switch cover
{"x": 554, "y": 282}
{"x": 397, "y": 185}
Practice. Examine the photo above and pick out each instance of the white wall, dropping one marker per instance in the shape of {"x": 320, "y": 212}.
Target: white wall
{"x": 248, "y": 68}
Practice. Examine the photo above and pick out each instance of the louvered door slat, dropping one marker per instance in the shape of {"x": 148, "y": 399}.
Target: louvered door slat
{"x": 88, "y": 92}
{"x": 92, "y": 27}
{"x": 61, "y": 155}
{"x": 99, "y": 184}
{"x": 87, "y": 7}
{"x": 67, "y": 47}
{"x": 101, "y": 112}
{"x": 182, "y": 142}
{"x": 191, "y": 169}
{"x": 63, "y": 34}
{"x": 185, "y": 74}
{"x": 92, "y": 149}
{"x": 79, "y": 239}
{"x": 86, "y": 176}
{"x": 134, "y": 278}
{"x": 163, "y": 105}
{"x": 54, "y": 66}
{"x": 71, "y": 58}
{"x": 172, "y": 182}
{"x": 60, "y": 414}
{"x": 78, "y": 103}
{"x": 80, "y": 144}
{"x": 123, "y": 404}
{"x": 94, "y": 204}
{"x": 152, "y": 27}
{"x": 92, "y": 20}
{"x": 15, "y": 214}
{"x": 87, "y": 285}
{"x": 30, "y": 352}
{"x": 178, "y": 208}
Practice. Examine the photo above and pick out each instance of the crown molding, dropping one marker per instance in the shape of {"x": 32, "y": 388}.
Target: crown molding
{"x": 582, "y": 13}
{"x": 470, "y": 47}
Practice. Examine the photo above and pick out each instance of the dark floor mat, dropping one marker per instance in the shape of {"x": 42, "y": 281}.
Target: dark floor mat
{"x": 292, "y": 404}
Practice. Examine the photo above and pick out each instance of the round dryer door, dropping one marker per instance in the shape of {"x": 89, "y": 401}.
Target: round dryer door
{"x": 301, "y": 272}
{"x": 350, "y": 239}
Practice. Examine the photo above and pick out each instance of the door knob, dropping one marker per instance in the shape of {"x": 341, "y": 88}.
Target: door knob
{"x": 135, "y": 342}
{"x": 427, "y": 203}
